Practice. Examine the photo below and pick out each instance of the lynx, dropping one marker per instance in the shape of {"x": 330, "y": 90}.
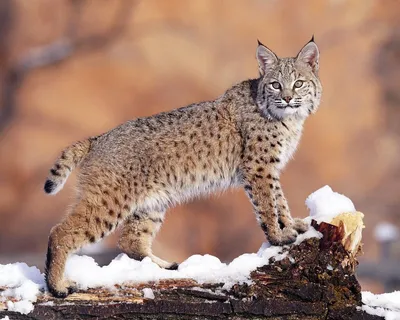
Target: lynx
{"x": 130, "y": 175}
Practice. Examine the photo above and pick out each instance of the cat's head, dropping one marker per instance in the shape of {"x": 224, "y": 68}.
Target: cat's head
{"x": 288, "y": 86}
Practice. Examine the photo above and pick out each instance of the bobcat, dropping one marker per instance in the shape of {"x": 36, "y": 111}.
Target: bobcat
{"x": 133, "y": 173}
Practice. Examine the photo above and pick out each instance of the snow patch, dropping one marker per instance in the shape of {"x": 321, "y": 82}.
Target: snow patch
{"x": 202, "y": 268}
{"x": 24, "y": 284}
{"x": 325, "y": 204}
{"x": 148, "y": 293}
{"x": 310, "y": 233}
{"x": 385, "y": 305}
{"x": 23, "y": 306}
{"x": 5, "y": 318}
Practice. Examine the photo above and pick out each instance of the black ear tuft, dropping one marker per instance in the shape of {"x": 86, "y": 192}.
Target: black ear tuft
{"x": 259, "y": 43}
{"x": 309, "y": 54}
{"x": 266, "y": 58}
{"x": 312, "y": 39}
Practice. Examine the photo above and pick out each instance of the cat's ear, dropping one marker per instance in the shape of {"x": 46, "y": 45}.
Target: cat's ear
{"x": 309, "y": 54}
{"x": 266, "y": 58}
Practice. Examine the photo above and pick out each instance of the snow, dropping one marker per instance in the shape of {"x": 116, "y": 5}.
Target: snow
{"x": 5, "y": 318}
{"x": 23, "y": 306}
{"x": 24, "y": 284}
{"x": 385, "y": 305}
{"x": 386, "y": 232}
{"x": 324, "y": 204}
{"x": 203, "y": 268}
{"x": 148, "y": 293}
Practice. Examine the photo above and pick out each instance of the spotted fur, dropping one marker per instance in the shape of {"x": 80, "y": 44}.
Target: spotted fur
{"x": 130, "y": 175}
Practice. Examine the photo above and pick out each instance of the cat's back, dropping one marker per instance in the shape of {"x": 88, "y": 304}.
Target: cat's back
{"x": 157, "y": 134}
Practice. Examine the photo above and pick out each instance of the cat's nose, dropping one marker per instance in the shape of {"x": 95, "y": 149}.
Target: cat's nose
{"x": 287, "y": 98}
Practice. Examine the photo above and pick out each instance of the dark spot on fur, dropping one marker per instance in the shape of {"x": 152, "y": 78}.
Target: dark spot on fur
{"x": 90, "y": 237}
{"x": 54, "y": 172}
{"x": 264, "y": 227}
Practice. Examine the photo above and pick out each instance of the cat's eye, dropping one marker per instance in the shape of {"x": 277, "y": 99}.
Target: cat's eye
{"x": 276, "y": 85}
{"x": 298, "y": 83}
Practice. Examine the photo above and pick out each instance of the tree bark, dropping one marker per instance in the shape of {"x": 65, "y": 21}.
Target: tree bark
{"x": 316, "y": 280}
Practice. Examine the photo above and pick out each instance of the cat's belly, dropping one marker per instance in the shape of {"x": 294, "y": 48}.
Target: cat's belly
{"x": 175, "y": 194}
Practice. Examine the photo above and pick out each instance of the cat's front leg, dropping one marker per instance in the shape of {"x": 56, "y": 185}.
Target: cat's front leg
{"x": 284, "y": 217}
{"x": 260, "y": 188}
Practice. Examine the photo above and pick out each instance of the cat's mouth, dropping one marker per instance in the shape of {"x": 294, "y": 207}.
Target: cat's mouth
{"x": 289, "y": 106}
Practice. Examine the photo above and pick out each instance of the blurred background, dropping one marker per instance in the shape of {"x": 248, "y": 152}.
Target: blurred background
{"x": 75, "y": 68}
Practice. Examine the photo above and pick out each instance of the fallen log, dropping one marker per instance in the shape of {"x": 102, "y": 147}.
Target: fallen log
{"x": 315, "y": 280}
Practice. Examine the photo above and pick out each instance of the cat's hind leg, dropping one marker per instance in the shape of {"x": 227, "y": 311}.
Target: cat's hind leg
{"x": 137, "y": 236}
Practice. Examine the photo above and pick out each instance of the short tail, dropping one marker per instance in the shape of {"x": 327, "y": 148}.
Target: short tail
{"x": 70, "y": 158}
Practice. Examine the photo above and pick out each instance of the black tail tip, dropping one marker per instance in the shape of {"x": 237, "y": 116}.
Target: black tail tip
{"x": 49, "y": 186}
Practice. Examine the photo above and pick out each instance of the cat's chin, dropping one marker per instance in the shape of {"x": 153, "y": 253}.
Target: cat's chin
{"x": 280, "y": 113}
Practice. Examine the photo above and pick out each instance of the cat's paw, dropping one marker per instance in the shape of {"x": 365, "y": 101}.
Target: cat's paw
{"x": 289, "y": 235}
{"x": 62, "y": 289}
{"x": 286, "y": 236}
{"x": 173, "y": 266}
{"x": 300, "y": 225}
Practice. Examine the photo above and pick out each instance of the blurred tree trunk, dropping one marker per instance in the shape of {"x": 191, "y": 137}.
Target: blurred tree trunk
{"x": 6, "y": 19}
